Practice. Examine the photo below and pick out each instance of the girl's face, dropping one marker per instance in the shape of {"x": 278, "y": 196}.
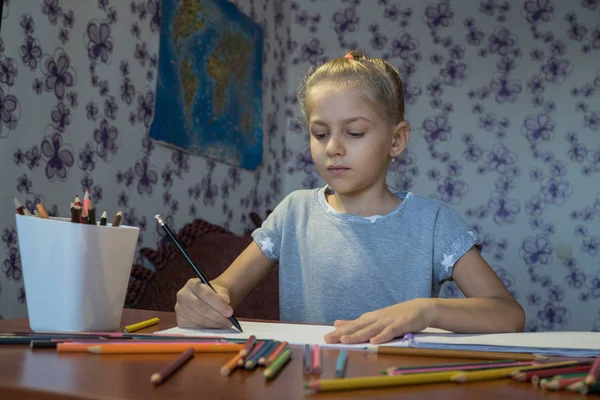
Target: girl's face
{"x": 350, "y": 142}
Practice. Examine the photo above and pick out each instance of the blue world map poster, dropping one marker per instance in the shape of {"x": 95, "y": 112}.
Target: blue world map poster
{"x": 209, "y": 86}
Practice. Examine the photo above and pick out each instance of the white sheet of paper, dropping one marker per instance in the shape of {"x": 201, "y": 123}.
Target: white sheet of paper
{"x": 291, "y": 333}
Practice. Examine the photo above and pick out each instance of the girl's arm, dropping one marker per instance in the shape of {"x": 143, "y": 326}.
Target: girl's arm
{"x": 489, "y": 306}
{"x": 245, "y": 273}
{"x": 200, "y": 306}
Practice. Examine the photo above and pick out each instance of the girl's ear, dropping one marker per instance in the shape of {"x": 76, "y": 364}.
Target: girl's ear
{"x": 400, "y": 137}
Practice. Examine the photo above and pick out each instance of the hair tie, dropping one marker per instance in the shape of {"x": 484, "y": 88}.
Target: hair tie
{"x": 349, "y": 56}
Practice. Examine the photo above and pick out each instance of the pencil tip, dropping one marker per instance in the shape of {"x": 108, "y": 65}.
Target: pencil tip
{"x": 95, "y": 349}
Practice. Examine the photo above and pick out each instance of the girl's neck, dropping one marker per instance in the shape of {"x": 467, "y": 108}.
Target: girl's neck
{"x": 380, "y": 201}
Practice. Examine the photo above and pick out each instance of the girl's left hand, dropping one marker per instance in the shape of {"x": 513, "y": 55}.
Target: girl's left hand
{"x": 383, "y": 325}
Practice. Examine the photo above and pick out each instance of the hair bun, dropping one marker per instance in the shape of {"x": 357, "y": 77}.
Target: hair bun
{"x": 355, "y": 55}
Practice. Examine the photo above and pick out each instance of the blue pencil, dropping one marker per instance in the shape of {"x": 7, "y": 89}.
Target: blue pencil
{"x": 340, "y": 366}
{"x": 307, "y": 359}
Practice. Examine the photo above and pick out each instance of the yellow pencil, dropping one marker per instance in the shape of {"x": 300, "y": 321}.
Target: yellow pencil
{"x": 378, "y": 381}
{"x": 141, "y": 325}
{"x": 499, "y": 373}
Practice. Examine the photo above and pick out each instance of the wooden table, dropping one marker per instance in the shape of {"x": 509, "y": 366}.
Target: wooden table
{"x": 45, "y": 374}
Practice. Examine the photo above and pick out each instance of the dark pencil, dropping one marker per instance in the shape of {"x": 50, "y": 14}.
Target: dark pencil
{"x": 170, "y": 368}
{"x": 161, "y": 222}
{"x": 92, "y": 213}
{"x": 103, "y": 219}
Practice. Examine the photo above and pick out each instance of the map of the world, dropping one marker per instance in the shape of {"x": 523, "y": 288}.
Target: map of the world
{"x": 208, "y": 95}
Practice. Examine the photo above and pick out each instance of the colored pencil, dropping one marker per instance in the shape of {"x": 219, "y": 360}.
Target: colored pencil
{"x": 103, "y": 219}
{"x": 248, "y": 346}
{"x": 594, "y": 372}
{"x": 275, "y": 368}
{"x": 278, "y": 350}
{"x": 92, "y": 213}
{"x": 86, "y": 202}
{"x": 534, "y": 376}
{"x": 500, "y": 373}
{"x": 164, "y": 348}
{"x": 76, "y": 214}
{"x": 19, "y": 206}
{"x": 231, "y": 365}
{"x": 424, "y": 368}
{"x": 172, "y": 367}
{"x": 141, "y": 325}
{"x": 252, "y": 360}
{"x": 482, "y": 355}
{"x": 85, "y": 218}
{"x": 340, "y": 365}
{"x": 83, "y": 347}
{"x": 378, "y": 381}
{"x": 561, "y": 381}
{"x": 582, "y": 388}
{"x": 255, "y": 350}
{"x": 263, "y": 357}
{"x": 117, "y": 220}
{"x": 307, "y": 359}
{"x": 316, "y": 359}
{"x": 474, "y": 367}
{"x": 42, "y": 210}
{"x": 161, "y": 222}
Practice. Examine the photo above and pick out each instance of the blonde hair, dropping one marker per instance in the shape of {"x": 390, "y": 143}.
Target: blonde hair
{"x": 376, "y": 77}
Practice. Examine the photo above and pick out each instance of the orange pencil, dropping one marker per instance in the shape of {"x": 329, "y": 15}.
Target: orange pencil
{"x": 86, "y": 202}
{"x": 275, "y": 353}
{"x": 42, "y": 210}
{"x": 232, "y": 364}
{"x": 133, "y": 348}
{"x": 172, "y": 367}
{"x": 117, "y": 219}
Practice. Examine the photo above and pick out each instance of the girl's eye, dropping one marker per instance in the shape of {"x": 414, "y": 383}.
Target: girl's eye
{"x": 356, "y": 134}
{"x": 319, "y": 136}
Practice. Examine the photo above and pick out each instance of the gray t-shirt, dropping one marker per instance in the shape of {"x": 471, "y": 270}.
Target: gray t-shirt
{"x": 338, "y": 266}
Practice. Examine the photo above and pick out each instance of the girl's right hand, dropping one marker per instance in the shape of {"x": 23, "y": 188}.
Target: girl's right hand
{"x": 198, "y": 306}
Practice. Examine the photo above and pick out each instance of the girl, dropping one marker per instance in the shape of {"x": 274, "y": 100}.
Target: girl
{"x": 354, "y": 253}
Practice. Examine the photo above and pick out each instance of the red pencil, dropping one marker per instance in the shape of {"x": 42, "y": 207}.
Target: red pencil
{"x": 248, "y": 346}
{"x": 21, "y": 209}
{"x": 172, "y": 367}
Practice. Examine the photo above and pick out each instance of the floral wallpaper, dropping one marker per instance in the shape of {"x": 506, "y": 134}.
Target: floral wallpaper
{"x": 503, "y": 98}
{"x": 77, "y": 97}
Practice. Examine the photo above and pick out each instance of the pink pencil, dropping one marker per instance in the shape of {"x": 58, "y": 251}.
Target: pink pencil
{"x": 86, "y": 201}
{"x": 458, "y": 368}
{"x": 316, "y": 368}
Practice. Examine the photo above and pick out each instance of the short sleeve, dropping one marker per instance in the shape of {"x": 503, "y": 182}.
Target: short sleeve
{"x": 452, "y": 239}
{"x": 268, "y": 236}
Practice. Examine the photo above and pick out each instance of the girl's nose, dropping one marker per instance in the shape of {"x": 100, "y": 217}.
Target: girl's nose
{"x": 335, "y": 146}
